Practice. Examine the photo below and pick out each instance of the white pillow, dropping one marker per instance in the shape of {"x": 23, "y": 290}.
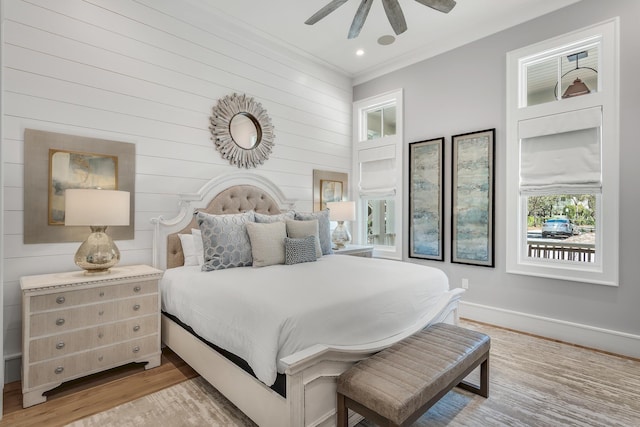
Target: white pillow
{"x": 192, "y": 247}
{"x": 267, "y": 242}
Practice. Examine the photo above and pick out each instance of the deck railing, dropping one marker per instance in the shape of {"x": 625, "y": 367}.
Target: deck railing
{"x": 583, "y": 252}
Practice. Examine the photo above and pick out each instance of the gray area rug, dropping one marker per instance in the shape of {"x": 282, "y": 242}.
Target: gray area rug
{"x": 533, "y": 382}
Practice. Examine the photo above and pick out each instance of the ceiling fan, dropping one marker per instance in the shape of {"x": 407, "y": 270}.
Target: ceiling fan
{"x": 391, "y": 8}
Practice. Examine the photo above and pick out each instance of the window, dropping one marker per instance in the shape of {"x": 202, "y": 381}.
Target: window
{"x": 377, "y": 154}
{"x": 562, "y": 157}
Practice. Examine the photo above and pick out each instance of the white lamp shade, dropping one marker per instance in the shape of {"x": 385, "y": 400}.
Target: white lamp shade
{"x": 342, "y": 211}
{"x": 95, "y": 207}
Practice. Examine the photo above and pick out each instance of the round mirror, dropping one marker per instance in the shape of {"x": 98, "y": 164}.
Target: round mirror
{"x": 242, "y": 131}
{"x": 245, "y": 131}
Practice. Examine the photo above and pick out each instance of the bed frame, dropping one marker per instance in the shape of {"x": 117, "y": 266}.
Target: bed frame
{"x": 311, "y": 373}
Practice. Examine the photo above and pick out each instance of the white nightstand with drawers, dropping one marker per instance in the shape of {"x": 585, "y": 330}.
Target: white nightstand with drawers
{"x": 75, "y": 325}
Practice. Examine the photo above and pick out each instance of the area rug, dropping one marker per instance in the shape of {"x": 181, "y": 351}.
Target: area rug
{"x": 191, "y": 403}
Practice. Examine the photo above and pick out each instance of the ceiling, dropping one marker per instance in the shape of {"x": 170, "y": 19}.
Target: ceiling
{"x": 429, "y": 32}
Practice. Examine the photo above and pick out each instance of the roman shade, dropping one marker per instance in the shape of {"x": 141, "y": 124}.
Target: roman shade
{"x": 377, "y": 172}
{"x": 561, "y": 152}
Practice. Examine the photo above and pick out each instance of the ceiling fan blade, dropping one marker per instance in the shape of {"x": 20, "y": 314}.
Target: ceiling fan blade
{"x": 358, "y": 20}
{"x": 395, "y": 16}
{"x": 444, "y": 6}
{"x": 325, "y": 11}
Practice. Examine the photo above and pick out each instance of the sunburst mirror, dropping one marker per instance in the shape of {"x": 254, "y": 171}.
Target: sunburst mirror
{"x": 242, "y": 131}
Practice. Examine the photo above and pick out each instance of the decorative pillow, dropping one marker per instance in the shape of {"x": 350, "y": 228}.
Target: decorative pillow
{"x": 299, "y": 229}
{"x": 275, "y": 218}
{"x": 324, "y": 228}
{"x": 267, "y": 243}
{"x": 225, "y": 240}
{"x": 300, "y": 250}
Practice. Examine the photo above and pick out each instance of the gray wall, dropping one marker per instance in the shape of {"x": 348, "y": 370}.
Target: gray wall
{"x": 464, "y": 90}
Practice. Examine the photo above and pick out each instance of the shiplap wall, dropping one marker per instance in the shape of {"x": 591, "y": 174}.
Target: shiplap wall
{"x": 148, "y": 72}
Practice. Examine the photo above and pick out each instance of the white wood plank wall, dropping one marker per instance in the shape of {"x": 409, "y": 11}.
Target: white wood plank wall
{"x": 148, "y": 72}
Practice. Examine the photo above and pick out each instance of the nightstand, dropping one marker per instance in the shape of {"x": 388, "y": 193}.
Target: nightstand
{"x": 75, "y": 325}
{"x": 355, "y": 250}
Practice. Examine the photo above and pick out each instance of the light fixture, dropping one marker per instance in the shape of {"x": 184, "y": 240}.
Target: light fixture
{"x": 96, "y": 209}
{"x": 341, "y": 212}
{"x": 578, "y": 87}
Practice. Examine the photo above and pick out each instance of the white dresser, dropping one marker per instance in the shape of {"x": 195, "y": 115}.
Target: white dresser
{"x": 75, "y": 324}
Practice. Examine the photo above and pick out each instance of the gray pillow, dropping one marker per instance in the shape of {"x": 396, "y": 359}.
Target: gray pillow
{"x": 225, "y": 240}
{"x": 324, "y": 228}
{"x": 267, "y": 243}
{"x": 274, "y": 218}
{"x": 299, "y": 229}
{"x": 299, "y": 250}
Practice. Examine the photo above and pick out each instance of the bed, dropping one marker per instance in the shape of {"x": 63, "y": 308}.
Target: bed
{"x": 280, "y": 363}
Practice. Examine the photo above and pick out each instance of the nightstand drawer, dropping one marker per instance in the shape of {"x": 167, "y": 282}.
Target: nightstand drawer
{"x": 59, "y": 370}
{"x": 64, "y": 299}
{"x": 80, "y": 317}
{"x": 71, "y": 342}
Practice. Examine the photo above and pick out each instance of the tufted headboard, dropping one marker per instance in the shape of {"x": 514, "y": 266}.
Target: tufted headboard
{"x": 236, "y": 199}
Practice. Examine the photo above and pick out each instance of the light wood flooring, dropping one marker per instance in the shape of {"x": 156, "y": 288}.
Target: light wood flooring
{"x": 534, "y": 382}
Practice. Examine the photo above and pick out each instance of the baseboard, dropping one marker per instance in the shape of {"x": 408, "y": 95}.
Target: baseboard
{"x": 574, "y": 333}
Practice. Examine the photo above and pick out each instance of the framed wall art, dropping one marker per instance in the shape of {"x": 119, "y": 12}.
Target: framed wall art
{"x": 426, "y": 199}
{"x": 328, "y": 187}
{"x": 472, "y": 198}
{"x": 54, "y": 162}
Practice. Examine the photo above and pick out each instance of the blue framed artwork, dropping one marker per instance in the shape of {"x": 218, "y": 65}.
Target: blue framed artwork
{"x": 472, "y": 198}
{"x": 426, "y": 197}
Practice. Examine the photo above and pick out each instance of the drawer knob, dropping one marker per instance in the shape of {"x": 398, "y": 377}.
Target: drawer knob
{"x": 59, "y": 370}
{"x": 60, "y": 345}
{"x": 136, "y": 289}
{"x": 136, "y": 307}
{"x": 136, "y": 349}
{"x": 60, "y": 300}
{"x": 60, "y": 321}
{"x": 100, "y": 358}
{"x": 100, "y": 335}
{"x": 101, "y": 312}
{"x": 136, "y": 328}
{"x": 102, "y": 293}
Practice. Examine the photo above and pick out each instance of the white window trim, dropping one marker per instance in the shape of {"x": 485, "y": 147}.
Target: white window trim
{"x": 360, "y": 142}
{"x": 605, "y": 271}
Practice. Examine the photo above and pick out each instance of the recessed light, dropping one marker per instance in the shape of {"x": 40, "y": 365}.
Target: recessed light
{"x": 359, "y": 52}
{"x": 386, "y": 40}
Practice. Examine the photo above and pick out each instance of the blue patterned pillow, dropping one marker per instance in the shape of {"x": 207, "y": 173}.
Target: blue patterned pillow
{"x": 264, "y": 218}
{"x": 225, "y": 240}
{"x": 324, "y": 228}
{"x": 299, "y": 250}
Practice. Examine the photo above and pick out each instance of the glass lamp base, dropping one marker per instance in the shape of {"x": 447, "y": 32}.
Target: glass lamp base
{"x": 340, "y": 236}
{"x": 98, "y": 253}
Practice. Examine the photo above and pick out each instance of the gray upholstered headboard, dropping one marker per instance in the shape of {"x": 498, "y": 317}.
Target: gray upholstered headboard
{"x": 236, "y": 199}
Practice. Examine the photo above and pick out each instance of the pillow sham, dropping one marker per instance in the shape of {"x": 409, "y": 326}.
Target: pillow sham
{"x": 324, "y": 228}
{"x": 267, "y": 242}
{"x": 299, "y": 250}
{"x": 225, "y": 240}
{"x": 282, "y": 217}
{"x": 299, "y": 229}
{"x": 197, "y": 245}
{"x": 188, "y": 249}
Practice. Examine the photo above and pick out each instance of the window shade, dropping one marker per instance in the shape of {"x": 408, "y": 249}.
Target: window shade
{"x": 377, "y": 172}
{"x": 561, "y": 152}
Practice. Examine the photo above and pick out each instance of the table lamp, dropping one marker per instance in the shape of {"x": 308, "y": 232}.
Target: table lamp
{"x": 96, "y": 209}
{"x": 341, "y": 212}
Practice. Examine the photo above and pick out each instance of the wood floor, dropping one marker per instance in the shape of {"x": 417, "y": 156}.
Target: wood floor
{"x": 87, "y": 396}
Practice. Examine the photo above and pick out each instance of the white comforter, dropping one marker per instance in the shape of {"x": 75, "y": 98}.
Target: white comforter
{"x": 265, "y": 314}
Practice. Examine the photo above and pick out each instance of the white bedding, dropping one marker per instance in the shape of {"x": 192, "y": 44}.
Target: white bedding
{"x": 265, "y": 314}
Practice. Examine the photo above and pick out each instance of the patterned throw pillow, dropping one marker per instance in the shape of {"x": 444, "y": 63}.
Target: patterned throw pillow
{"x": 299, "y": 250}
{"x": 264, "y": 218}
{"x": 324, "y": 228}
{"x": 225, "y": 240}
{"x": 299, "y": 229}
{"x": 267, "y": 243}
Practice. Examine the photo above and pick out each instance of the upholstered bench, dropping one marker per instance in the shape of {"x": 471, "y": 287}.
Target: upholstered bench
{"x": 397, "y": 385}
